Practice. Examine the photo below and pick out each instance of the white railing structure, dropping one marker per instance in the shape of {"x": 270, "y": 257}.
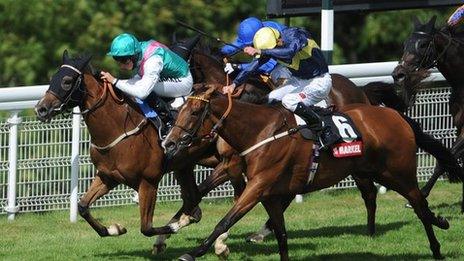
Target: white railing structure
{"x": 47, "y": 166}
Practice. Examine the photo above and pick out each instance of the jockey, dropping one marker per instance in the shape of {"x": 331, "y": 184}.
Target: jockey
{"x": 457, "y": 17}
{"x": 245, "y": 33}
{"x": 310, "y": 82}
{"x": 157, "y": 70}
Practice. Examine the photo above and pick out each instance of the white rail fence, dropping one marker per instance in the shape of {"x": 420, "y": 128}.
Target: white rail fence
{"x": 47, "y": 167}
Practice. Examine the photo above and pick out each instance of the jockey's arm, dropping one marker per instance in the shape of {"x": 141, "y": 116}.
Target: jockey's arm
{"x": 246, "y": 72}
{"x": 141, "y": 87}
{"x": 229, "y": 50}
{"x": 265, "y": 68}
{"x": 285, "y": 53}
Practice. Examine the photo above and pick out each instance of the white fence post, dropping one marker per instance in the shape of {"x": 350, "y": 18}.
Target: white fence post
{"x": 76, "y": 128}
{"x": 14, "y": 121}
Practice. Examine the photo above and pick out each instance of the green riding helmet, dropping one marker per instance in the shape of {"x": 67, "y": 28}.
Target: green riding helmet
{"x": 125, "y": 45}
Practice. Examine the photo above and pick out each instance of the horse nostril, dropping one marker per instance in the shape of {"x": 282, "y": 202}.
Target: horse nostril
{"x": 42, "y": 111}
{"x": 398, "y": 77}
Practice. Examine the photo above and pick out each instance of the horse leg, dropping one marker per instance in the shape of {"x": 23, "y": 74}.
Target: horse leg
{"x": 369, "y": 194}
{"x": 267, "y": 228}
{"x": 409, "y": 189}
{"x": 437, "y": 172}
{"x": 245, "y": 203}
{"x": 215, "y": 179}
{"x": 274, "y": 209}
{"x": 99, "y": 187}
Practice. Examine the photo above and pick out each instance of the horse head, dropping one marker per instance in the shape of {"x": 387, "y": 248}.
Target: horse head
{"x": 66, "y": 88}
{"x": 193, "y": 124}
{"x": 420, "y": 53}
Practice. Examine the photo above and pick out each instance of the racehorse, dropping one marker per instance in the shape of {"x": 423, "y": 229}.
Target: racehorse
{"x": 208, "y": 68}
{"x": 279, "y": 169}
{"x": 124, "y": 148}
{"x": 428, "y": 47}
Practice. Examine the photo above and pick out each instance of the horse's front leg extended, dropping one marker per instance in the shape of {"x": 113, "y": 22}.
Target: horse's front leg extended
{"x": 216, "y": 178}
{"x": 245, "y": 203}
{"x": 100, "y": 186}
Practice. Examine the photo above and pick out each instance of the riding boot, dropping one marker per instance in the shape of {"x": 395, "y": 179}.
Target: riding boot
{"x": 162, "y": 128}
{"x": 326, "y": 136}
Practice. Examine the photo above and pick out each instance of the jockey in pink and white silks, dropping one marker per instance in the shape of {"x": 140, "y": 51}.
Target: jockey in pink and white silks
{"x": 157, "y": 69}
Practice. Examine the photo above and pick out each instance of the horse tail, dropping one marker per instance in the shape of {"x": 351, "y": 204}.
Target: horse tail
{"x": 434, "y": 147}
{"x": 381, "y": 93}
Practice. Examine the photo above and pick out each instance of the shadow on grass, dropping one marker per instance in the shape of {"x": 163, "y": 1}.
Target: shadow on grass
{"x": 333, "y": 231}
{"x": 367, "y": 256}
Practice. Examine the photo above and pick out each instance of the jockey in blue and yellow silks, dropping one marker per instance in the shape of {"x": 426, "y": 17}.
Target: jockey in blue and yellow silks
{"x": 157, "y": 70}
{"x": 245, "y": 33}
{"x": 310, "y": 80}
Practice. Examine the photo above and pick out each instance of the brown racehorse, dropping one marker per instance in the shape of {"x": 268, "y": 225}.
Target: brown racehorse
{"x": 207, "y": 68}
{"x": 443, "y": 48}
{"x": 125, "y": 149}
{"x": 280, "y": 168}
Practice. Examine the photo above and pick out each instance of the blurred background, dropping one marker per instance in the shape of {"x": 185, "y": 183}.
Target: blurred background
{"x": 35, "y": 32}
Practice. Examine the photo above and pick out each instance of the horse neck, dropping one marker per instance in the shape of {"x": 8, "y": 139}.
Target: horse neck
{"x": 109, "y": 119}
{"x": 210, "y": 68}
{"x": 451, "y": 64}
{"x": 247, "y": 124}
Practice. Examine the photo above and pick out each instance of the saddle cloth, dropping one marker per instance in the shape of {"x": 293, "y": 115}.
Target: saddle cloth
{"x": 350, "y": 143}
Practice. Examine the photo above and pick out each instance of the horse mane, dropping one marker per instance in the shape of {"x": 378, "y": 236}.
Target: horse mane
{"x": 95, "y": 73}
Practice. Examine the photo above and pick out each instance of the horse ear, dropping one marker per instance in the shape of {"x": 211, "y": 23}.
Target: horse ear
{"x": 87, "y": 59}
{"x": 416, "y": 22}
{"x": 431, "y": 22}
{"x": 65, "y": 55}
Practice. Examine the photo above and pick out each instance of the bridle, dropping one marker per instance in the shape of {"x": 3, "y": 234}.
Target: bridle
{"x": 191, "y": 136}
{"x": 78, "y": 85}
{"x": 430, "y": 57}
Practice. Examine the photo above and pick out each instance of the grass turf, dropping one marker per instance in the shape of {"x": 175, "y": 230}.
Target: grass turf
{"x": 329, "y": 225}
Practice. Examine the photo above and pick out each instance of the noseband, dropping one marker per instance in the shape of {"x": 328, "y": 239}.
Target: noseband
{"x": 430, "y": 57}
{"x": 191, "y": 137}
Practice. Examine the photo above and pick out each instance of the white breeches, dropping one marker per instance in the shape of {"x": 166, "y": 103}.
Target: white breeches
{"x": 174, "y": 87}
{"x": 298, "y": 90}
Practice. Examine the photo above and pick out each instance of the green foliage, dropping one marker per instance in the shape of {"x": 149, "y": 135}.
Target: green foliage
{"x": 35, "y": 33}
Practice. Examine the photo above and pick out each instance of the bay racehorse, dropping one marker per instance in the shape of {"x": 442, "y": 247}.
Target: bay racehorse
{"x": 279, "y": 169}
{"x": 207, "y": 68}
{"x": 124, "y": 148}
{"x": 429, "y": 47}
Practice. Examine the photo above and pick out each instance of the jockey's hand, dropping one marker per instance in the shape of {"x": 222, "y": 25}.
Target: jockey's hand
{"x": 229, "y": 88}
{"x": 107, "y": 76}
{"x": 228, "y": 68}
{"x": 251, "y": 51}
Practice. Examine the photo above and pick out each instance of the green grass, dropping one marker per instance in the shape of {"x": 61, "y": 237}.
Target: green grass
{"x": 329, "y": 225}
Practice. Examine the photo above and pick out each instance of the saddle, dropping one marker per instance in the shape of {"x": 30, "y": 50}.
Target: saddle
{"x": 350, "y": 142}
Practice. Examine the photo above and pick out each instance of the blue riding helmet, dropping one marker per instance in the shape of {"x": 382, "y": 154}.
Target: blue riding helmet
{"x": 245, "y": 33}
{"x": 125, "y": 45}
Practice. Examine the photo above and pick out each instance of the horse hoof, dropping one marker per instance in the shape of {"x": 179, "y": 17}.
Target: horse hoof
{"x": 255, "y": 238}
{"x": 223, "y": 253}
{"x": 186, "y": 257}
{"x": 438, "y": 256}
{"x": 116, "y": 230}
{"x": 159, "y": 248}
{"x": 443, "y": 223}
